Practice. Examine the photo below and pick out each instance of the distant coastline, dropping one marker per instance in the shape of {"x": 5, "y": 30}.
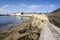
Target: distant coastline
{"x": 4, "y": 15}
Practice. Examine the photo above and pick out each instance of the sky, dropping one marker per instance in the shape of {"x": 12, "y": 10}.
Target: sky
{"x": 14, "y": 6}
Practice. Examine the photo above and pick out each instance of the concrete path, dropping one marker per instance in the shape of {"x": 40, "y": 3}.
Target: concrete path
{"x": 50, "y": 32}
{"x": 46, "y": 34}
{"x": 54, "y": 31}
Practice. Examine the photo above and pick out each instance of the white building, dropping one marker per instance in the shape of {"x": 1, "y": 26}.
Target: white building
{"x": 17, "y": 14}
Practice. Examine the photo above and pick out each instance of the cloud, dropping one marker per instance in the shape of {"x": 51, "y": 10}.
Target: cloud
{"x": 23, "y": 5}
{"x": 26, "y": 7}
{"x": 20, "y": 5}
{"x": 14, "y": 6}
{"x": 31, "y": 7}
{"x": 5, "y": 6}
{"x": 34, "y": 6}
{"x": 52, "y": 5}
{"x": 4, "y": 9}
{"x": 0, "y": 9}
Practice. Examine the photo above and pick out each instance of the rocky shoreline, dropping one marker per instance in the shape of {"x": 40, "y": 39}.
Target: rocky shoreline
{"x": 24, "y": 31}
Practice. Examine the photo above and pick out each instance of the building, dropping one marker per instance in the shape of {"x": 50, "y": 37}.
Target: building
{"x": 17, "y": 14}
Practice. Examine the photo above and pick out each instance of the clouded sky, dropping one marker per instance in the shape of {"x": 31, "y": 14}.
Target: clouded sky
{"x": 12, "y": 6}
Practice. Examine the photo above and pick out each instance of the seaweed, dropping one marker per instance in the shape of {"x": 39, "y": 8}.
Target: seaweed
{"x": 25, "y": 38}
{"x": 22, "y": 31}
